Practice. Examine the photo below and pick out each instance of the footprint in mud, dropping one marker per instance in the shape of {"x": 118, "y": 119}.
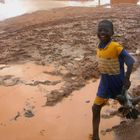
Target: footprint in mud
{"x": 42, "y": 132}
{"x": 18, "y": 114}
{"x": 2, "y": 124}
{"x": 29, "y": 103}
{"x": 29, "y": 106}
{"x": 58, "y": 117}
{"x": 88, "y": 101}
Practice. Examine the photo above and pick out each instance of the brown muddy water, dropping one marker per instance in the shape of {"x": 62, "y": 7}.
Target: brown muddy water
{"x": 24, "y": 116}
{"x": 12, "y": 8}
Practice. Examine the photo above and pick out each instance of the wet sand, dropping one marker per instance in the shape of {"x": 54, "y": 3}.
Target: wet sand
{"x": 50, "y": 55}
{"x": 68, "y": 120}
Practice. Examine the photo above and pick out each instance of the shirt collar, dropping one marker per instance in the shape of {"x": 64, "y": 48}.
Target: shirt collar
{"x": 102, "y": 45}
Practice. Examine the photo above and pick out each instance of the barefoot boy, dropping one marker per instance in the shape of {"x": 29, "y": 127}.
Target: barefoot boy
{"x": 111, "y": 58}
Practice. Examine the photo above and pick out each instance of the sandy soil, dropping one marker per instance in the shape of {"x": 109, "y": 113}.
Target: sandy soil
{"x": 46, "y": 56}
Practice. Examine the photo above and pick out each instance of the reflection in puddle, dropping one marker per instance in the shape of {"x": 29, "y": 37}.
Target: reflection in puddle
{"x": 13, "y": 8}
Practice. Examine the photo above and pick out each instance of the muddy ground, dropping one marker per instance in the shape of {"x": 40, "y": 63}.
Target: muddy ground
{"x": 67, "y": 39}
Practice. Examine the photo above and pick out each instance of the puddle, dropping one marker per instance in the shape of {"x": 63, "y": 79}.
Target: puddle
{"x": 18, "y": 7}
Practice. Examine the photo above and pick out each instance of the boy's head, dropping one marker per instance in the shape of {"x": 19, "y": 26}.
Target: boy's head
{"x": 105, "y": 30}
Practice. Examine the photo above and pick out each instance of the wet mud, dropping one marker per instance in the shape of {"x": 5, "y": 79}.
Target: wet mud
{"x": 49, "y": 55}
{"x": 67, "y": 42}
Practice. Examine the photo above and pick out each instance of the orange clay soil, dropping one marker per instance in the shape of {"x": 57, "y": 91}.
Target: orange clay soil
{"x": 48, "y": 55}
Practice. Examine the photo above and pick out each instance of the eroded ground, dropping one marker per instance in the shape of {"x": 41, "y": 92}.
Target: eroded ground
{"x": 46, "y": 56}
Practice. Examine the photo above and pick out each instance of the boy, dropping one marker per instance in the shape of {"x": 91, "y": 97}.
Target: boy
{"x": 111, "y": 57}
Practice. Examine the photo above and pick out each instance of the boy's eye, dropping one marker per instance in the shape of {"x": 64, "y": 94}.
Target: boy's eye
{"x": 102, "y": 30}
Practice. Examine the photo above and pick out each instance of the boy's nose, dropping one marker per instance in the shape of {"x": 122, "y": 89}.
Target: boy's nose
{"x": 102, "y": 32}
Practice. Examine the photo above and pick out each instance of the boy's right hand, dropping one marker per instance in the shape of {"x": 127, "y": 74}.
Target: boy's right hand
{"x": 127, "y": 84}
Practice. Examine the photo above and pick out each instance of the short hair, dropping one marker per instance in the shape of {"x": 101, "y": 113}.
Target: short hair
{"x": 107, "y": 22}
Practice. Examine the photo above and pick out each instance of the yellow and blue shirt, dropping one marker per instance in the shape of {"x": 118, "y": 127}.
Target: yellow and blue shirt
{"x": 111, "y": 59}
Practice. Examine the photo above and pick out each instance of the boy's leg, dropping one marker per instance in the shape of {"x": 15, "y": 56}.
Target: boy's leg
{"x": 96, "y": 110}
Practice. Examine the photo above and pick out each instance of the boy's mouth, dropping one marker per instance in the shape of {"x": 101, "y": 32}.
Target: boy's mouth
{"x": 102, "y": 37}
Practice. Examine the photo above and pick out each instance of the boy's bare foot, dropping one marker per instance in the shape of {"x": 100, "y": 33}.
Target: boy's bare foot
{"x": 95, "y": 139}
{"x": 91, "y": 137}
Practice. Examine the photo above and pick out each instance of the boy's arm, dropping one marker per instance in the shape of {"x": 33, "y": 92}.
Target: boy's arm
{"x": 129, "y": 61}
{"x": 127, "y": 82}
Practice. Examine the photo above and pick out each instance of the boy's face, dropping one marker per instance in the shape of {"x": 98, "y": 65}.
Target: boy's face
{"x": 105, "y": 32}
